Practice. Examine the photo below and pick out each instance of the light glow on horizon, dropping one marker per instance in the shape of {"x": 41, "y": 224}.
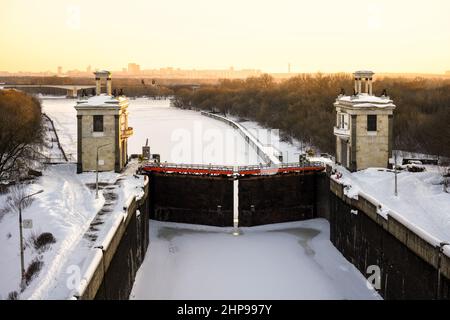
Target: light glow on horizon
{"x": 320, "y": 35}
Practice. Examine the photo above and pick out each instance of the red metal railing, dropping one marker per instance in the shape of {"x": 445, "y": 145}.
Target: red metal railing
{"x": 201, "y": 169}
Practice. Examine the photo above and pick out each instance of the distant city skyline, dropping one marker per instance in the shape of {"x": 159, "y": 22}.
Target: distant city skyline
{"x": 328, "y": 36}
{"x": 133, "y": 70}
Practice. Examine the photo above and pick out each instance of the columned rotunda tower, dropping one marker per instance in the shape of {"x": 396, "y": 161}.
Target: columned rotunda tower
{"x": 364, "y": 126}
{"x": 102, "y": 123}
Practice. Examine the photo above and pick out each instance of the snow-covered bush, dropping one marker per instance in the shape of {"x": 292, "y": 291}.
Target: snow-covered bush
{"x": 13, "y": 295}
{"x": 33, "y": 269}
{"x": 43, "y": 241}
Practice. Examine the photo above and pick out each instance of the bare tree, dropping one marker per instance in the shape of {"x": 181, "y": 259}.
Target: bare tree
{"x": 20, "y": 130}
{"x": 13, "y": 201}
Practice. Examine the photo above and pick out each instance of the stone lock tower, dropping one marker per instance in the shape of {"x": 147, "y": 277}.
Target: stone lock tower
{"x": 102, "y": 125}
{"x": 364, "y": 126}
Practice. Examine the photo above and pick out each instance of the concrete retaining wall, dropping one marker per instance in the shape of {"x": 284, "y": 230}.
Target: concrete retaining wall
{"x": 411, "y": 267}
{"x": 114, "y": 272}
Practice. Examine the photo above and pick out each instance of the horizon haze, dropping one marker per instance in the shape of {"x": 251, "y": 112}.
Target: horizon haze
{"x": 326, "y": 36}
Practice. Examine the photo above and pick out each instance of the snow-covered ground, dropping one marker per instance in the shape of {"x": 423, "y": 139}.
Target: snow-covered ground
{"x": 421, "y": 201}
{"x": 65, "y": 208}
{"x": 284, "y": 261}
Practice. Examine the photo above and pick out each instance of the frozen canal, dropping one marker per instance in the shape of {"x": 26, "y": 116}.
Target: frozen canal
{"x": 285, "y": 261}
{"x": 180, "y": 136}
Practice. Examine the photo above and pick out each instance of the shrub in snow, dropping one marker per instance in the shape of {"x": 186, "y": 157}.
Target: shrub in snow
{"x": 33, "y": 269}
{"x": 34, "y": 173}
{"x": 43, "y": 241}
{"x": 17, "y": 192}
{"x": 13, "y": 295}
{"x": 3, "y": 212}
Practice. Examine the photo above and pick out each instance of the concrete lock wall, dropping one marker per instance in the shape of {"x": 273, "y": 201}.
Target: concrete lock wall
{"x": 409, "y": 265}
{"x": 191, "y": 199}
{"x": 114, "y": 274}
{"x": 126, "y": 260}
{"x": 277, "y": 198}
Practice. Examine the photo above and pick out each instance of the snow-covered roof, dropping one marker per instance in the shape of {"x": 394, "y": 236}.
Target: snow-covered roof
{"x": 102, "y": 72}
{"x": 364, "y": 73}
{"x": 102, "y": 100}
{"x": 364, "y": 100}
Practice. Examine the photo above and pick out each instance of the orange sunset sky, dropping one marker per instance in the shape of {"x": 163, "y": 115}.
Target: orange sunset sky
{"x": 319, "y": 35}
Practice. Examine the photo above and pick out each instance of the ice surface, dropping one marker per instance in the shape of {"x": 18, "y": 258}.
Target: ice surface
{"x": 283, "y": 261}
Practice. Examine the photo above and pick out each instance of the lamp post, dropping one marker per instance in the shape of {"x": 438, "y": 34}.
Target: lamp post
{"x": 395, "y": 173}
{"x": 96, "y": 170}
{"x": 22, "y": 264}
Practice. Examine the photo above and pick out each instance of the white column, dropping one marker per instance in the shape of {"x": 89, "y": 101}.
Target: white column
{"x": 359, "y": 85}
{"x": 98, "y": 87}
{"x": 108, "y": 86}
{"x": 366, "y": 85}
{"x": 370, "y": 87}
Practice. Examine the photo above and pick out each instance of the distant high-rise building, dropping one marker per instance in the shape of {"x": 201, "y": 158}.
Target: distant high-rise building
{"x": 134, "y": 68}
{"x": 289, "y": 68}
{"x": 88, "y": 69}
{"x": 59, "y": 70}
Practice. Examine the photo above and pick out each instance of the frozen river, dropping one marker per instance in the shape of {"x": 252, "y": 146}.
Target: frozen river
{"x": 286, "y": 261}
{"x": 180, "y": 136}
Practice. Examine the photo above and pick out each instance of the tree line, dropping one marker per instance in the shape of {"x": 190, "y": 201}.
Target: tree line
{"x": 302, "y": 107}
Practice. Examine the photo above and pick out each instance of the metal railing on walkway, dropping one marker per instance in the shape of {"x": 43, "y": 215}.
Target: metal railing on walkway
{"x": 202, "y": 169}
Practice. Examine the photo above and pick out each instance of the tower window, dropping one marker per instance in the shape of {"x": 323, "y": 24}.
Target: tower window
{"x": 371, "y": 122}
{"x": 98, "y": 123}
